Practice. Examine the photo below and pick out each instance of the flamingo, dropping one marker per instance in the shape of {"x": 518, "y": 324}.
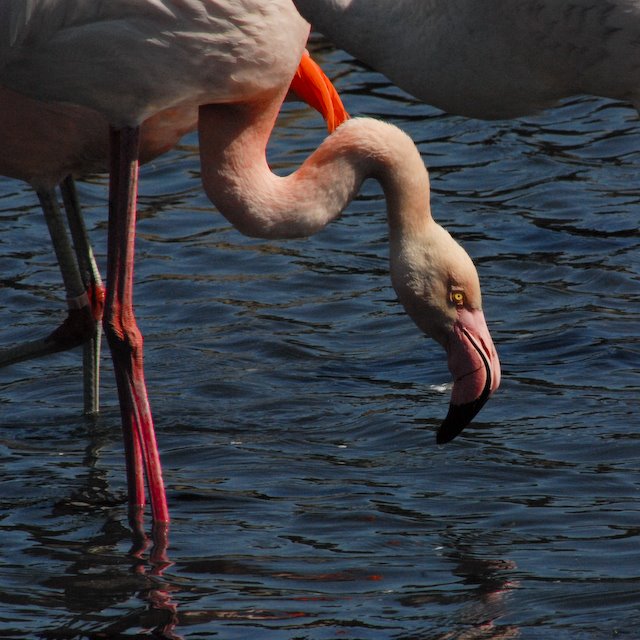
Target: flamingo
{"x": 234, "y": 61}
{"x": 502, "y": 59}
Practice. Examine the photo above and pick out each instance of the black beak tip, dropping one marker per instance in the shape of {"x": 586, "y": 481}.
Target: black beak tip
{"x": 458, "y": 417}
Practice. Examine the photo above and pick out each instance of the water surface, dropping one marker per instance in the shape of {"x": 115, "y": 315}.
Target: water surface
{"x": 296, "y": 405}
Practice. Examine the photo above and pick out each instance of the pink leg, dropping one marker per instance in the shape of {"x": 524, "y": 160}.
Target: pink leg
{"x": 122, "y": 333}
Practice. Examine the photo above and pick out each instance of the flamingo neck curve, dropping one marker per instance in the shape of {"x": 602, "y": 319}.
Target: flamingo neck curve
{"x": 240, "y": 183}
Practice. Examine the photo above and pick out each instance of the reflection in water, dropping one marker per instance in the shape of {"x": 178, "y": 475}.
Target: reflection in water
{"x": 481, "y": 595}
{"x": 91, "y": 575}
{"x": 101, "y": 582}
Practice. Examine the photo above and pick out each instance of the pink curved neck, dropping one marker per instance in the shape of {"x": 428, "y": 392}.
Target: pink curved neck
{"x": 239, "y": 182}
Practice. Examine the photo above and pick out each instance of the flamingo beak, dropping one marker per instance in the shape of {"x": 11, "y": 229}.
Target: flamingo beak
{"x": 475, "y": 367}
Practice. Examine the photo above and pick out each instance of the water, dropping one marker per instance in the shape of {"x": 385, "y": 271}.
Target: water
{"x": 296, "y": 405}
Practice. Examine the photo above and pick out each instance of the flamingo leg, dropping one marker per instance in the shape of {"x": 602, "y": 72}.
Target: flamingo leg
{"x": 122, "y": 333}
{"x": 93, "y": 286}
{"x": 79, "y": 324}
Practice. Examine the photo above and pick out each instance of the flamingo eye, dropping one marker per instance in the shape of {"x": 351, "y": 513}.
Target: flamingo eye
{"x": 456, "y": 296}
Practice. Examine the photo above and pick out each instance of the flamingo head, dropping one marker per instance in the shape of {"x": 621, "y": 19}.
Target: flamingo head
{"x": 438, "y": 285}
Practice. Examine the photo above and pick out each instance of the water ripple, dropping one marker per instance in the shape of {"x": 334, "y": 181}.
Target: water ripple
{"x": 296, "y": 405}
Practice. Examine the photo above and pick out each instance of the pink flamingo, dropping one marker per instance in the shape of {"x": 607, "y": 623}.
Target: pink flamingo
{"x": 235, "y": 61}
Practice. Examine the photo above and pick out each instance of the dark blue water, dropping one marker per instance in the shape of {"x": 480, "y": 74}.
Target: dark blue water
{"x": 296, "y": 405}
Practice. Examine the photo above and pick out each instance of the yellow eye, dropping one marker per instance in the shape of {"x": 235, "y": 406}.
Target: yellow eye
{"x": 457, "y": 297}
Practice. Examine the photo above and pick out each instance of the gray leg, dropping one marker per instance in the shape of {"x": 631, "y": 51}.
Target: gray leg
{"x": 79, "y": 325}
{"x": 93, "y": 286}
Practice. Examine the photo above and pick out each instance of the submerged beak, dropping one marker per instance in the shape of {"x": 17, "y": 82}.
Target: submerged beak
{"x": 475, "y": 367}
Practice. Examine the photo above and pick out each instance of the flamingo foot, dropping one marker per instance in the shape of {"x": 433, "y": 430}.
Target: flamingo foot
{"x": 78, "y": 327}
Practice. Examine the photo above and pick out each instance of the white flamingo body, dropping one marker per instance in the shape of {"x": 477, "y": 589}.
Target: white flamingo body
{"x": 131, "y": 59}
{"x": 491, "y": 59}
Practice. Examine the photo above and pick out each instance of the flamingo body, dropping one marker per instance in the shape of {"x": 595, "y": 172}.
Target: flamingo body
{"x": 497, "y": 59}
{"x": 130, "y": 59}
